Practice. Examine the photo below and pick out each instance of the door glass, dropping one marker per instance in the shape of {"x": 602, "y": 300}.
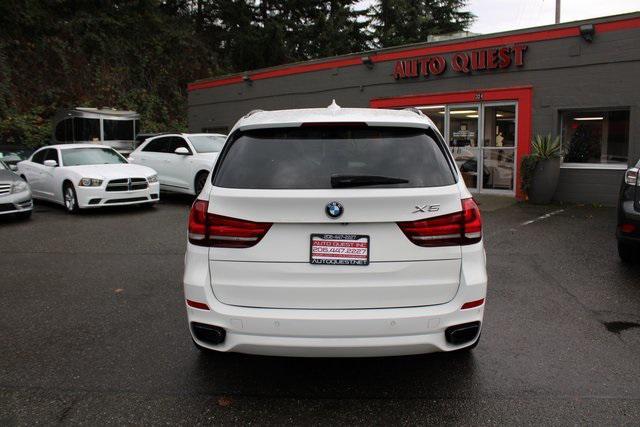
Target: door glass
{"x": 463, "y": 140}
{"x": 500, "y": 126}
{"x": 436, "y": 114}
{"x": 497, "y": 169}
{"x": 499, "y": 141}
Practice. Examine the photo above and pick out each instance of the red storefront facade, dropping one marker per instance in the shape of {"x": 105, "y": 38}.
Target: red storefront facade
{"x": 489, "y": 95}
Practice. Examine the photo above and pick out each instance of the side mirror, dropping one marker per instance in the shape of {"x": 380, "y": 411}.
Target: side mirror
{"x": 13, "y": 167}
{"x": 182, "y": 150}
{"x": 51, "y": 163}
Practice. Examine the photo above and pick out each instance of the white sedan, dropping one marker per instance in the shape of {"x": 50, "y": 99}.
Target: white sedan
{"x": 183, "y": 160}
{"x": 87, "y": 176}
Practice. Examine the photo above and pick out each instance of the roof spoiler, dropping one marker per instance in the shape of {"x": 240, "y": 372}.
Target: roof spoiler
{"x": 251, "y": 113}
{"x": 414, "y": 110}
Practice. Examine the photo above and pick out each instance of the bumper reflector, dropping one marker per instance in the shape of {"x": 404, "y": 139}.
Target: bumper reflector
{"x": 196, "y": 304}
{"x": 472, "y": 304}
{"x": 627, "y": 228}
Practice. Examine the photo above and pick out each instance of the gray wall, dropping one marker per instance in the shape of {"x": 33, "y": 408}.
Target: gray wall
{"x": 564, "y": 73}
{"x": 589, "y": 186}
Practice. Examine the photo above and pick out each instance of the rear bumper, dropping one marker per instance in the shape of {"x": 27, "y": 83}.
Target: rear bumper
{"x": 627, "y": 214}
{"x": 330, "y": 333}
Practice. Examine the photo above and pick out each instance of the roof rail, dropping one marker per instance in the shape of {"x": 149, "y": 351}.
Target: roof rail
{"x": 251, "y": 113}
{"x": 414, "y": 110}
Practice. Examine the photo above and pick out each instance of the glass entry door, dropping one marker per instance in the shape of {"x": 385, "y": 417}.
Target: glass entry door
{"x": 482, "y": 139}
{"x": 464, "y": 139}
{"x": 498, "y": 147}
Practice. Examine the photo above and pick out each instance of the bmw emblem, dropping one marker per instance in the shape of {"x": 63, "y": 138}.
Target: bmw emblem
{"x": 334, "y": 209}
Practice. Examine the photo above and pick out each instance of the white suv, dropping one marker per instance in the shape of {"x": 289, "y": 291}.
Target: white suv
{"x": 335, "y": 232}
{"x": 183, "y": 161}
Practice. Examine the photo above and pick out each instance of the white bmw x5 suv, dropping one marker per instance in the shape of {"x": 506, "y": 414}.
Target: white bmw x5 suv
{"x": 335, "y": 232}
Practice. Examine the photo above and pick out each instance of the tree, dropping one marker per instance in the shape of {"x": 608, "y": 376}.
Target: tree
{"x": 339, "y": 28}
{"x": 140, "y": 54}
{"x": 397, "y": 22}
{"x": 126, "y": 54}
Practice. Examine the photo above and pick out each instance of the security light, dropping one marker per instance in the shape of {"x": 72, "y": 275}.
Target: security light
{"x": 587, "y": 32}
{"x": 366, "y": 60}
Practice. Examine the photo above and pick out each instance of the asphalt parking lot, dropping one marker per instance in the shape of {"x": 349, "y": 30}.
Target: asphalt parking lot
{"x": 93, "y": 330}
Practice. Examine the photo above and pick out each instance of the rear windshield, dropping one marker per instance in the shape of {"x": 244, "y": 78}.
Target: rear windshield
{"x": 207, "y": 143}
{"x": 308, "y": 158}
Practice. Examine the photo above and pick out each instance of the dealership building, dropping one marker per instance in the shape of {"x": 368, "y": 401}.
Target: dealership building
{"x": 489, "y": 95}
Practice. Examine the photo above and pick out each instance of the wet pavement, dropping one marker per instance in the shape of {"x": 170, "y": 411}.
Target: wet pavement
{"x": 93, "y": 330}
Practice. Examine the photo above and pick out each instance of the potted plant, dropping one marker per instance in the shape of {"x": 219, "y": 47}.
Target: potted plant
{"x": 541, "y": 169}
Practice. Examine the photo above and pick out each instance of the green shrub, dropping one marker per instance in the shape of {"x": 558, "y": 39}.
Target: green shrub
{"x": 542, "y": 148}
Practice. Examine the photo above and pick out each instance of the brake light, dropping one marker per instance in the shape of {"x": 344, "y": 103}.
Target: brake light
{"x": 207, "y": 229}
{"x": 458, "y": 228}
{"x": 332, "y": 124}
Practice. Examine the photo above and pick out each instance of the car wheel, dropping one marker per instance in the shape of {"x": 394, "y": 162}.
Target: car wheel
{"x": 201, "y": 181}
{"x": 626, "y": 252}
{"x": 70, "y": 199}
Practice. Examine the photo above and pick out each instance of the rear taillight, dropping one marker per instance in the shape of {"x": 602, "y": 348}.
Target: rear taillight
{"x": 458, "y": 228}
{"x": 207, "y": 229}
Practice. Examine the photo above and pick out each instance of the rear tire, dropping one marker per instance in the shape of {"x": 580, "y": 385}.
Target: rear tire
{"x": 200, "y": 181}
{"x": 70, "y": 199}
{"x": 627, "y": 252}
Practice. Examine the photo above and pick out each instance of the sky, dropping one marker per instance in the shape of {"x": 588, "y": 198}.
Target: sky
{"x": 503, "y": 15}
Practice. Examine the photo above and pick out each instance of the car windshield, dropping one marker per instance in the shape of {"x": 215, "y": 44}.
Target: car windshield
{"x": 13, "y": 156}
{"x": 207, "y": 143}
{"x": 91, "y": 156}
{"x": 334, "y": 157}
{"x": 3, "y": 166}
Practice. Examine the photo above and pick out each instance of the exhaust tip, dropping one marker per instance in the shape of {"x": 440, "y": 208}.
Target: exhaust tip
{"x": 208, "y": 334}
{"x": 461, "y": 334}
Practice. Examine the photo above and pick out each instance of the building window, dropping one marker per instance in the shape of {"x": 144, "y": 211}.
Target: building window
{"x": 436, "y": 113}
{"x": 595, "y": 136}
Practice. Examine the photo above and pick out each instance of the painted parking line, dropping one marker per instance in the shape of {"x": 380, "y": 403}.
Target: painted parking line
{"x": 542, "y": 217}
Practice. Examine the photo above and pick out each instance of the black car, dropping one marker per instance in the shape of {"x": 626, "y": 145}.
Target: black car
{"x": 628, "y": 230}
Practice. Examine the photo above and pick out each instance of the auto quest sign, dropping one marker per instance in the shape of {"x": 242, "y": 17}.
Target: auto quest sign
{"x": 464, "y": 62}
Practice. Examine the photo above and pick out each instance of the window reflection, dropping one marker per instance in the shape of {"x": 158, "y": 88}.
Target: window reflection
{"x": 500, "y": 126}
{"x": 595, "y": 136}
{"x": 497, "y": 169}
{"x": 463, "y": 140}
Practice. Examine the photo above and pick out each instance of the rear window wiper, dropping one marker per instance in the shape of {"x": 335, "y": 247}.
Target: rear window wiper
{"x": 345, "y": 181}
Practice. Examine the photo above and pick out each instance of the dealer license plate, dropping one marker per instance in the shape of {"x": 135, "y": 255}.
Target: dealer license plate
{"x": 339, "y": 249}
